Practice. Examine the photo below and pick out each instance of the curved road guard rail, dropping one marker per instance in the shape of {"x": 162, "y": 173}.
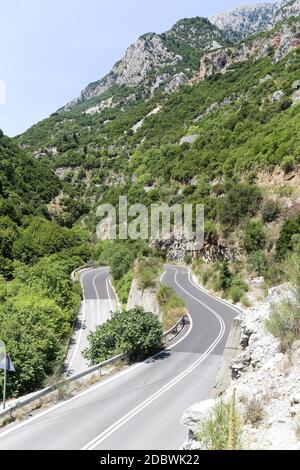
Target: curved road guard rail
{"x": 97, "y": 369}
{"x": 175, "y": 330}
{"x": 86, "y": 266}
{"x": 25, "y": 401}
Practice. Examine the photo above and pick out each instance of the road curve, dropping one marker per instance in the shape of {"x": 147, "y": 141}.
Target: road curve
{"x": 140, "y": 407}
{"x": 99, "y": 301}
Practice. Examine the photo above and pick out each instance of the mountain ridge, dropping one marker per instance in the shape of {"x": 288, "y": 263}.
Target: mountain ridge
{"x": 163, "y": 62}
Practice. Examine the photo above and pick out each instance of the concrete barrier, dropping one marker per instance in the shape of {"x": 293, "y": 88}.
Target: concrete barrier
{"x": 232, "y": 350}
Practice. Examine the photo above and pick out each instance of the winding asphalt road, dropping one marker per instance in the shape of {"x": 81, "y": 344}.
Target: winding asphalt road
{"x": 99, "y": 301}
{"x": 140, "y": 407}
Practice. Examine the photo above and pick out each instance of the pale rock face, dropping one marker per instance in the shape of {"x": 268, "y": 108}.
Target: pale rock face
{"x": 247, "y": 20}
{"x": 278, "y": 95}
{"x": 100, "y": 107}
{"x": 146, "y": 54}
{"x": 286, "y": 39}
{"x": 264, "y": 374}
{"x": 178, "y": 80}
{"x": 288, "y": 10}
{"x": 146, "y": 60}
{"x": 199, "y": 411}
{"x": 189, "y": 139}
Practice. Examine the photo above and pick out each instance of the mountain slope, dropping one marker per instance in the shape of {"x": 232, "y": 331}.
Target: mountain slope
{"x": 158, "y": 61}
{"x": 249, "y": 20}
{"x": 210, "y": 142}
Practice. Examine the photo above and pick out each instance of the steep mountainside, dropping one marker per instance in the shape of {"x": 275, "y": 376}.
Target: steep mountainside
{"x": 245, "y": 21}
{"x": 188, "y": 116}
{"x": 209, "y": 142}
{"x": 25, "y": 183}
{"x": 158, "y": 61}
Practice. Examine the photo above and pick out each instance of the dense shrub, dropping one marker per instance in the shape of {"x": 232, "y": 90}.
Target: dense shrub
{"x": 286, "y": 240}
{"x": 235, "y": 294}
{"x": 135, "y": 332}
{"x": 225, "y": 277}
{"x": 270, "y": 211}
{"x": 222, "y": 431}
{"x": 254, "y": 238}
{"x": 240, "y": 201}
{"x": 284, "y": 322}
{"x": 257, "y": 263}
{"x": 147, "y": 271}
{"x": 173, "y": 307}
{"x": 288, "y": 164}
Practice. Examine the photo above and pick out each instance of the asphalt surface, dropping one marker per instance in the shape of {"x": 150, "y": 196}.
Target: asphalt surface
{"x": 99, "y": 301}
{"x": 140, "y": 407}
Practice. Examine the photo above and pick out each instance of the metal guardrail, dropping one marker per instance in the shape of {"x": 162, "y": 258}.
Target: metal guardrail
{"x": 86, "y": 266}
{"x": 25, "y": 401}
{"x": 175, "y": 330}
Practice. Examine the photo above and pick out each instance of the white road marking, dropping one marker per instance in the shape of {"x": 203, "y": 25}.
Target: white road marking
{"x": 118, "y": 424}
{"x": 227, "y": 304}
{"x": 119, "y": 306}
{"x": 92, "y": 389}
{"x": 107, "y": 288}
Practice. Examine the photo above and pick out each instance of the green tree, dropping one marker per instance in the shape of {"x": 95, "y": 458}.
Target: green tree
{"x": 225, "y": 277}
{"x": 33, "y": 328}
{"x": 255, "y": 238}
{"x": 135, "y": 332}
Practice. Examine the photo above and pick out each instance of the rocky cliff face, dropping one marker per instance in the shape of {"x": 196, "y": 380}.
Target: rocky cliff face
{"x": 248, "y": 20}
{"x": 288, "y": 9}
{"x": 278, "y": 43}
{"x": 267, "y": 385}
{"x": 163, "y": 61}
{"x": 146, "y": 55}
{"x": 167, "y": 61}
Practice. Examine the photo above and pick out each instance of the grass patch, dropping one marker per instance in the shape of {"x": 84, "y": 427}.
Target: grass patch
{"x": 147, "y": 272}
{"x": 173, "y": 307}
{"x": 222, "y": 431}
{"x": 254, "y": 412}
{"x": 284, "y": 321}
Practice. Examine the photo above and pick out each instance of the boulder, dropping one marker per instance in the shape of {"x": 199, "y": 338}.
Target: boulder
{"x": 189, "y": 139}
{"x": 198, "y": 414}
{"x": 278, "y": 95}
{"x": 296, "y": 85}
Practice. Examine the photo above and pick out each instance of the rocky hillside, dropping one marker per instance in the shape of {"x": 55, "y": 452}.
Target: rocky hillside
{"x": 275, "y": 44}
{"x": 248, "y": 20}
{"x": 266, "y": 382}
{"x": 209, "y": 142}
{"x": 156, "y": 61}
{"x": 162, "y": 62}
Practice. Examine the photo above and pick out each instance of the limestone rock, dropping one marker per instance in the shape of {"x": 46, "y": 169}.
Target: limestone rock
{"x": 264, "y": 374}
{"x": 189, "y": 139}
{"x": 278, "y": 95}
{"x": 197, "y": 414}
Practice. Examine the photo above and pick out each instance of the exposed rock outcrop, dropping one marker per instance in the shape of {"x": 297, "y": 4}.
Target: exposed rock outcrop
{"x": 277, "y": 44}
{"x": 155, "y": 61}
{"x": 263, "y": 374}
{"x": 245, "y": 21}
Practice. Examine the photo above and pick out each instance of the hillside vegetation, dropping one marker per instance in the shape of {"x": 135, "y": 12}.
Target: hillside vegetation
{"x": 39, "y": 303}
{"x": 165, "y": 134}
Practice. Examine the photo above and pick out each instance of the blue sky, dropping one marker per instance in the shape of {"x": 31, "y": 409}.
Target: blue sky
{"x": 51, "y": 49}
